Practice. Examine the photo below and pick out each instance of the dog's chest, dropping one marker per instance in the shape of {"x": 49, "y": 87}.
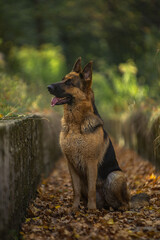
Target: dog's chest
{"x": 80, "y": 147}
{"x": 73, "y": 146}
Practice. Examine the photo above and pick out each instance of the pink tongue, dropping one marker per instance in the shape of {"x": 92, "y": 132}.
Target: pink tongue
{"x": 54, "y": 101}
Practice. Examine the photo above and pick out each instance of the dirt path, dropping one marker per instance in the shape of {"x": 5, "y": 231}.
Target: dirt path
{"x": 49, "y": 216}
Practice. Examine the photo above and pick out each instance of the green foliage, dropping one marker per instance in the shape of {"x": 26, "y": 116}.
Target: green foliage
{"x": 17, "y": 97}
{"x": 119, "y": 91}
{"x": 30, "y": 30}
{"x": 108, "y": 36}
{"x": 13, "y": 95}
{"x": 38, "y": 66}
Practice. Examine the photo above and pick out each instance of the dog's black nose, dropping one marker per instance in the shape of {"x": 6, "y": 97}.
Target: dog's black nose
{"x": 50, "y": 88}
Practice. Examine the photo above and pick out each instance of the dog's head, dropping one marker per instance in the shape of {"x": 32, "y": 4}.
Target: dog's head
{"x": 75, "y": 86}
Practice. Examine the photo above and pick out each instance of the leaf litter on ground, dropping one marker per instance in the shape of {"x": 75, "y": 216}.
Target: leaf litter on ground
{"x": 49, "y": 215}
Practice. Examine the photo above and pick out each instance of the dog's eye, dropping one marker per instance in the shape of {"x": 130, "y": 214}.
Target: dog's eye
{"x": 69, "y": 82}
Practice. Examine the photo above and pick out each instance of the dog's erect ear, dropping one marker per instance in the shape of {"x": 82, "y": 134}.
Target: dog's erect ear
{"x": 87, "y": 74}
{"x": 77, "y": 66}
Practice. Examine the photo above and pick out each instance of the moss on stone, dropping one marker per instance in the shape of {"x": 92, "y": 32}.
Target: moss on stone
{"x": 29, "y": 147}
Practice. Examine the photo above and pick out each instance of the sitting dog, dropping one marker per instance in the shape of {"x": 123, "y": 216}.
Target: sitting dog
{"x": 96, "y": 176}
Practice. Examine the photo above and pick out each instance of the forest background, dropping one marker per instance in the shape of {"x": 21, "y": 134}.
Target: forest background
{"x": 41, "y": 39}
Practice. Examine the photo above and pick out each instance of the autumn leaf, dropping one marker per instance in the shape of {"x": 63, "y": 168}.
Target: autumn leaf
{"x": 57, "y": 206}
{"x": 110, "y": 221}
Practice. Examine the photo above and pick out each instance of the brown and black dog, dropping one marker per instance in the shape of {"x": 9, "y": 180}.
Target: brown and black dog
{"x": 95, "y": 173}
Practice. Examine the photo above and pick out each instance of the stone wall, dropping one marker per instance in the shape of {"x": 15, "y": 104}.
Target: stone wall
{"x": 29, "y": 147}
{"x": 139, "y": 131}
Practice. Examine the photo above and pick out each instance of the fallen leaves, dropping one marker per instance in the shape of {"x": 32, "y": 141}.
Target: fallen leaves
{"x": 50, "y": 215}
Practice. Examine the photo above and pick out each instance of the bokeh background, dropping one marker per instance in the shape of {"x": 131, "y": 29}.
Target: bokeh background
{"x": 41, "y": 39}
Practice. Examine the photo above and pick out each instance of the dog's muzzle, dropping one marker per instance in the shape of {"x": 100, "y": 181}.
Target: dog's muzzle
{"x": 60, "y": 96}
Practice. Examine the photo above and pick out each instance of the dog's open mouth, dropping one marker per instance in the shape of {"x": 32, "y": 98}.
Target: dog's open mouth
{"x": 60, "y": 101}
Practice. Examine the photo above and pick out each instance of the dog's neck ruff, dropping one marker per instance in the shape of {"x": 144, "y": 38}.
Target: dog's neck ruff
{"x": 77, "y": 113}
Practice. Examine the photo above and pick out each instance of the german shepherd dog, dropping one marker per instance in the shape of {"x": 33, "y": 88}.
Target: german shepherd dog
{"x": 96, "y": 176}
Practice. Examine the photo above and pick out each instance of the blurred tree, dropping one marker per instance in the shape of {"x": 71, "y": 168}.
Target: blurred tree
{"x": 108, "y": 32}
{"x": 16, "y": 24}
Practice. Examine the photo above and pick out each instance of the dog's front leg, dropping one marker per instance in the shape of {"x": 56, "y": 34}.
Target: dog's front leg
{"x": 76, "y": 186}
{"x": 92, "y": 178}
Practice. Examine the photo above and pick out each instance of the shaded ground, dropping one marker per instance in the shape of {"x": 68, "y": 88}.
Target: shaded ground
{"x": 49, "y": 215}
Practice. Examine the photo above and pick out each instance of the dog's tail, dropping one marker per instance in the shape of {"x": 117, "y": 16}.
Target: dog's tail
{"x": 117, "y": 195}
{"x": 139, "y": 200}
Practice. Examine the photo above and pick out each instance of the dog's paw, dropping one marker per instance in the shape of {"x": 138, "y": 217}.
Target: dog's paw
{"x": 74, "y": 210}
{"x": 75, "y": 205}
{"x": 92, "y": 206}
